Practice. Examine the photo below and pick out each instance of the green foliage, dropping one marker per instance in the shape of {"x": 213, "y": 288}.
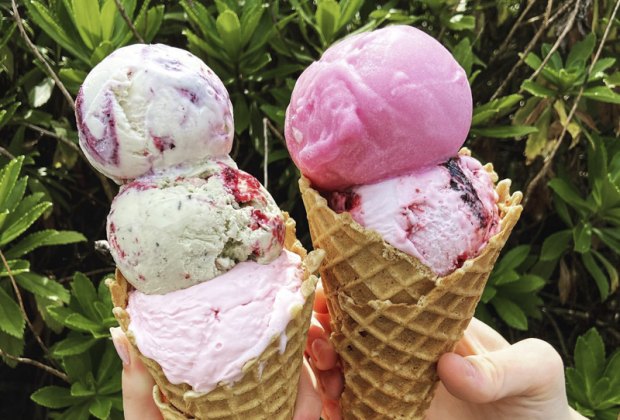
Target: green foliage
{"x": 593, "y": 222}
{"x": 18, "y": 212}
{"x": 548, "y": 122}
{"x": 593, "y": 385}
{"x": 512, "y": 294}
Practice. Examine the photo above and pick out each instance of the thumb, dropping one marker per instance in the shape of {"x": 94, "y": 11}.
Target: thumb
{"x": 530, "y": 368}
{"x": 137, "y": 382}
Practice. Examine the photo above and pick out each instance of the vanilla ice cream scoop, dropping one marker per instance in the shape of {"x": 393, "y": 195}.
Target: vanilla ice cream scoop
{"x": 168, "y": 233}
{"x": 151, "y": 107}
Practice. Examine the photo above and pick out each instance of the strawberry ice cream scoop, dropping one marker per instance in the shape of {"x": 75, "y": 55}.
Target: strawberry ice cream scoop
{"x": 377, "y": 105}
{"x": 151, "y": 107}
{"x": 442, "y": 215}
{"x": 168, "y": 234}
{"x": 204, "y": 335}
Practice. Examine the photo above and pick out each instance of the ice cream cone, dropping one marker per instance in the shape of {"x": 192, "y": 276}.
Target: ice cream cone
{"x": 268, "y": 388}
{"x": 391, "y": 316}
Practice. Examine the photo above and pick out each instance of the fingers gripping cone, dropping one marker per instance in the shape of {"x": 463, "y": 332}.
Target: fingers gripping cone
{"x": 392, "y": 317}
{"x": 268, "y": 388}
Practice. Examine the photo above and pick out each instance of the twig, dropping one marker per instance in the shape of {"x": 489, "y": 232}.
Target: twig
{"x": 512, "y": 30}
{"x": 530, "y": 46}
{"x": 33, "y": 48}
{"x": 6, "y": 153}
{"x": 20, "y": 301}
{"x": 549, "y": 159}
{"x": 556, "y": 45}
{"x": 43, "y": 366}
{"x": 105, "y": 183}
{"x": 123, "y": 13}
{"x": 556, "y": 328}
{"x": 54, "y": 135}
{"x": 275, "y": 131}
{"x": 89, "y": 273}
{"x": 266, "y": 153}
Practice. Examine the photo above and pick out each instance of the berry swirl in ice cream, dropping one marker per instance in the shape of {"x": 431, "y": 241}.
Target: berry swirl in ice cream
{"x": 171, "y": 233}
{"x": 151, "y": 107}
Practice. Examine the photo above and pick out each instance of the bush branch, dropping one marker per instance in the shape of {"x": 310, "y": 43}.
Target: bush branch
{"x": 35, "y": 51}
{"x": 20, "y": 301}
{"x": 40, "y": 365}
{"x": 542, "y": 174}
{"x": 123, "y": 13}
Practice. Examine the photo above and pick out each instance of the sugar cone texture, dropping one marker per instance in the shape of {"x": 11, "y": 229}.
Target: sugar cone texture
{"x": 391, "y": 316}
{"x": 268, "y": 388}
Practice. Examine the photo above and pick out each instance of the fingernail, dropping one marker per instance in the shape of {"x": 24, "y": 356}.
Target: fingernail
{"x": 120, "y": 344}
{"x": 319, "y": 346}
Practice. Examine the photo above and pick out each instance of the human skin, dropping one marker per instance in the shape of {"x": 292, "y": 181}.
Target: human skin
{"x": 484, "y": 378}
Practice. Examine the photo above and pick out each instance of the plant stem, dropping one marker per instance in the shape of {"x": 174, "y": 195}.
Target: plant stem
{"x": 123, "y": 13}
{"x": 40, "y": 365}
{"x": 42, "y": 59}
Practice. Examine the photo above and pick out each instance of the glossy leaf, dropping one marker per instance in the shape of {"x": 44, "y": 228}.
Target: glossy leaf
{"x": 555, "y": 245}
{"x": 510, "y": 313}
{"x": 11, "y": 320}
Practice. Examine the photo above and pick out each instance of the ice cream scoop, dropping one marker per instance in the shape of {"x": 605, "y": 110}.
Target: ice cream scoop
{"x": 204, "y": 335}
{"x": 151, "y": 107}
{"x": 442, "y": 215}
{"x": 168, "y": 233}
{"x": 377, "y": 105}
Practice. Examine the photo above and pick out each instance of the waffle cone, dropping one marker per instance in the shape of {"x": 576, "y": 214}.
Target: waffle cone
{"x": 268, "y": 388}
{"x": 391, "y": 316}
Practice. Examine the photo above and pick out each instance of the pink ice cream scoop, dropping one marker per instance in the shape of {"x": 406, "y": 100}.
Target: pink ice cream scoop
{"x": 442, "y": 215}
{"x": 377, "y": 105}
{"x": 146, "y": 108}
{"x": 204, "y": 335}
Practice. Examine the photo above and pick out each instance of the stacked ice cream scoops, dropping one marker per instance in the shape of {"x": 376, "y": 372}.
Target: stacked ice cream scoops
{"x": 411, "y": 226}
{"x": 212, "y": 287}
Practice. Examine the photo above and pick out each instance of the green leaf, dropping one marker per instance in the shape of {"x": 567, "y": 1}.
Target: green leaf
{"x": 11, "y": 345}
{"x": 41, "y": 93}
{"x": 327, "y": 17}
{"x": 103, "y": 49}
{"x": 108, "y": 366}
{"x": 85, "y": 294}
{"x": 23, "y": 223}
{"x": 348, "y": 10}
{"x": 581, "y": 52}
{"x": 602, "y": 94}
{"x": 73, "y": 345}
{"x": 612, "y": 272}
{"x": 43, "y": 286}
{"x": 44, "y": 238}
{"x": 590, "y": 357}
{"x": 11, "y": 320}
{"x": 7, "y": 114}
{"x": 464, "y": 54}
{"x": 153, "y": 21}
{"x": 229, "y": 28}
{"x": 100, "y": 407}
{"x": 497, "y": 107}
{"x": 86, "y": 13}
{"x": 16, "y": 195}
{"x": 510, "y": 313}
{"x": 16, "y": 266}
{"x": 242, "y": 114}
{"x": 8, "y": 181}
{"x": 597, "y": 274}
{"x": 79, "y": 322}
{"x": 108, "y": 18}
{"x": 527, "y": 283}
{"x": 83, "y": 389}
{"x": 575, "y": 385}
{"x": 488, "y": 293}
{"x": 598, "y": 71}
{"x": 613, "y": 80}
{"x": 513, "y": 259}
{"x": 555, "y": 245}
{"x": 460, "y": 22}
{"x": 505, "y": 132}
{"x": 537, "y": 89}
{"x": 505, "y": 278}
{"x": 569, "y": 194}
{"x": 54, "y": 397}
{"x": 582, "y": 237}
{"x": 250, "y": 19}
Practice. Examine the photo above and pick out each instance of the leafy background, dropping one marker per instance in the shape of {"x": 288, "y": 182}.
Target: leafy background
{"x": 545, "y": 81}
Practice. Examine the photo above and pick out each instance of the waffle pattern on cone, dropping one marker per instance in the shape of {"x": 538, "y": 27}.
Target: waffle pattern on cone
{"x": 268, "y": 388}
{"x": 391, "y": 316}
